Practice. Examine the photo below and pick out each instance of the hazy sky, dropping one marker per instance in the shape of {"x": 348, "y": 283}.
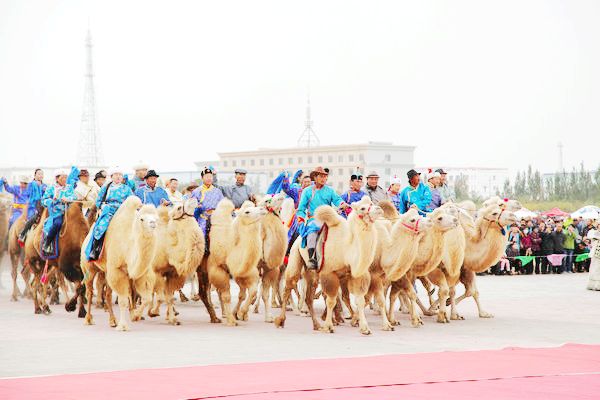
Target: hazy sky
{"x": 476, "y": 83}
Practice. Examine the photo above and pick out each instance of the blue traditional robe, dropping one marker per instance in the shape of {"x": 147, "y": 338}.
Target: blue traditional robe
{"x": 56, "y": 208}
{"x": 395, "y": 199}
{"x": 350, "y": 197}
{"x": 419, "y": 196}
{"x": 208, "y": 197}
{"x": 114, "y": 198}
{"x": 21, "y": 199}
{"x": 35, "y": 191}
{"x": 310, "y": 200}
{"x": 152, "y": 196}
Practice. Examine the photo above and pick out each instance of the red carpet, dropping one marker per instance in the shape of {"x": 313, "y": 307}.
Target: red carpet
{"x": 570, "y": 371}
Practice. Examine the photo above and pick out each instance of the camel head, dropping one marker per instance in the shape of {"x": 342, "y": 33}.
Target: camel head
{"x": 414, "y": 222}
{"x": 146, "y": 218}
{"x": 467, "y": 207}
{"x": 249, "y": 214}
{"x": 367, "y": 211}
{"x": 508, "y": 204}
{"x": 184, "y": 209}
{"x": 272, "y": 203}
{"x": 442, "y": 220}
{"x": 498, "y": 215}
{"x": 6, "y": 202}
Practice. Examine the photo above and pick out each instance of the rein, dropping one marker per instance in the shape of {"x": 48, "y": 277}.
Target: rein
{"x": 414, "y": 229}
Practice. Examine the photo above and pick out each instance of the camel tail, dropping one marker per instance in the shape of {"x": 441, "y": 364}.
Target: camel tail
{"x": 327, "y": 215}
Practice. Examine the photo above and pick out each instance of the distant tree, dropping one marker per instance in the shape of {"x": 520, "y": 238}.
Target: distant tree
{"x": 507, "y": 189}
{"x": 461, "y": 187}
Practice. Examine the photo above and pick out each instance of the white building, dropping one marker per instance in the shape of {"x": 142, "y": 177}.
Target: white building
{"x": 483, "y": 182}
{"x": 342, "y": 160}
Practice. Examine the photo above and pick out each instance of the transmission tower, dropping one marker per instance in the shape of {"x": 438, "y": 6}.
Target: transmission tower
{"x": 89, "y": 153}
{"x": 308, "y": 138}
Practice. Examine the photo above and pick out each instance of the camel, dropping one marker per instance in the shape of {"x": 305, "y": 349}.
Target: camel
{"x": 274, "y": 245}
{"x": 235, "y": 250}
{"x": 446, "y": 275}
{"x": 129, "y": 248}
{"x": 430, "y": 254}
{"x": 397, "y": 245}
{"x": 38, "y": 267}
{"x": 17, "y": 253}
{"x": 347, "y": 255}
{"x": 484, "y": 249}
{"x": 74, "y": 229}
{"x": 6, "y": 202}
{"x": 179, "y": 252}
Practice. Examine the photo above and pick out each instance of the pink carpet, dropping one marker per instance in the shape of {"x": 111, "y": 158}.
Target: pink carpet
{"x": 570, "y": 371}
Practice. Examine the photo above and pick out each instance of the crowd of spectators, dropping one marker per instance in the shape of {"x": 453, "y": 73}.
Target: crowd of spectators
{"x": 540, "y": 238}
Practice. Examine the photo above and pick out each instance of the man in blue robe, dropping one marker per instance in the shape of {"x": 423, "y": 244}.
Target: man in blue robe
{"x": 416, "y": 193}
{"x": 150, "y": 193}
{"x": 355, "y": 193}
{"x": 21, "y": 197}
{"x": 36, "y": 190}
{"x": 312, "y": 197}
{"x": 55, "y": 199}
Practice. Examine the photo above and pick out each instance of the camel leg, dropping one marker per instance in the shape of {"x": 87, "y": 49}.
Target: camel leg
{"x": 256, "y": 301}
{"x": 144, "y": 287}
{"x": 376, "y": 288}
{"x": 312, "y": 279}
{"x": 26, "y": 275}
{"x": 89, "y": 293}
{"x": 35, "y": 291}
{"x": 112, "y": 320}
{"x": 290, "y": 277}
{"x": 62, "y": 284}
{"x": 346, "y": 299}
{"x": 14, "y": 260}
{"x": 330, "y": 284}
{"x": 443, "y": 291}
{"x": 453, "y": 313}
{"x": 359, "y": 286}
{"x": 45, "y": 307}
{"x": 71, "y": 304}
{"x": 394, "y": 294}
{"x": 204, "y": 294}
{"x": 482, "y": 313}
{"x": 182, "y": 297}
{"x": 119, "y": 282}
{"x": 302, "y": 299}
{"x": 100, "y": 289}
{"x": 270, "y": 283}
{"x": 250, "y": 284}
{"x": 80, "y": 300}
{"x": 408, "y": 290}
{"x": 220, "y": 279}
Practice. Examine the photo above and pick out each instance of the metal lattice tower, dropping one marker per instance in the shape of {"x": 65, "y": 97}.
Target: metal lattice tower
{"x": 308, "y": 138}
{"x": 89, "y": 153}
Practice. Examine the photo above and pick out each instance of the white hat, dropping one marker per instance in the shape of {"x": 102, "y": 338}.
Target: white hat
{"x": 395, "y": 180}
{"x": 434, "y": 174}
{"x": 60, "y": 171}
{"x": 140, "y": 165}
{"x": 24, "y": 178}
{"x": 115, "y": 170}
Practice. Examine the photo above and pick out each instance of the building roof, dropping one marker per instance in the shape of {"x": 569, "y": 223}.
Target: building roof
{"x": 296, "y": 150}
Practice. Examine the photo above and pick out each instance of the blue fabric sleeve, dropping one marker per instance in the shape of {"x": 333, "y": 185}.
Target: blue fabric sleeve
{"x": 303, "y": 202}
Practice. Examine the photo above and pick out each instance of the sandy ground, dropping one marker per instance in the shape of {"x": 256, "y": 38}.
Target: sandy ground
{"x": 530, "y": 311}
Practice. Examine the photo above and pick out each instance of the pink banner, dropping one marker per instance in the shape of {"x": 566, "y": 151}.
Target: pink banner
{"x": 556, "y": 259}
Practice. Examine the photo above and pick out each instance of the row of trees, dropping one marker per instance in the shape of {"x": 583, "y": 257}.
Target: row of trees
{"x": 578, "y": 184}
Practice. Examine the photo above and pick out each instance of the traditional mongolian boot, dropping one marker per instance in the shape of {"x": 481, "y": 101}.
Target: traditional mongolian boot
{"x": 312, "y": 259}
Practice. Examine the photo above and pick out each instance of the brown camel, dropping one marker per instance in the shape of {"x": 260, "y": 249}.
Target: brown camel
{"x": 17, "y": 253}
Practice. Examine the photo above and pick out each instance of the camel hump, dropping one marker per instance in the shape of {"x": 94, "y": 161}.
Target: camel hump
{"x": 225, "y": 206}
{"x": 327, "y": 215}
{"x": 389, "y": 209}
{"x": 132, "y": 202}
